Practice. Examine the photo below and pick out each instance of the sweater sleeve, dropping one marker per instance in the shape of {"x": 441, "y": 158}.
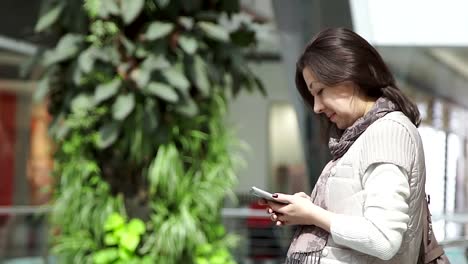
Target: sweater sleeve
{"x": 380, "y": 231}
{"x": 387, "y": 141}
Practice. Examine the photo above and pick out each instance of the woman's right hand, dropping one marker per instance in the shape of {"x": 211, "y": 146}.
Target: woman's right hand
{"x": 302, "y": 194}
{"x": 273, "y": 214}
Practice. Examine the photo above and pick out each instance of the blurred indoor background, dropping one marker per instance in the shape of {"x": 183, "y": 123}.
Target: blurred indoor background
{"x": 424, "y": 42}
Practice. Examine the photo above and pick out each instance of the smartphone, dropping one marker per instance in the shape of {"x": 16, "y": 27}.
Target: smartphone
{"x": 263, "y": 194}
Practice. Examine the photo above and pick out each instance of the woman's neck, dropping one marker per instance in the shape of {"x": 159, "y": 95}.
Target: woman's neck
{"x": 369, "y": 106}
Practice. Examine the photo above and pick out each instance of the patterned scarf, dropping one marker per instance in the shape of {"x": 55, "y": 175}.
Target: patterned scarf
{"x": 309, "y": 241}
{"x": 342, "y": 141}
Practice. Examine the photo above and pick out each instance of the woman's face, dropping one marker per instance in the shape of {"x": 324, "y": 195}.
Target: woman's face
{"x": 342, "y": 104}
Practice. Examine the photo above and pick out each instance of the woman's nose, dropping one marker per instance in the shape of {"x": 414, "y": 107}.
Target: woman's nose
{"x": 318, "y": 106}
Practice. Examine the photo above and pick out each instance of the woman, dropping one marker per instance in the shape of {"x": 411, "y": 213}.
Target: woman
{"x": 367, "y": 204}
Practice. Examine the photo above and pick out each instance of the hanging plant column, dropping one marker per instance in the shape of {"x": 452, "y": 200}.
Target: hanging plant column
{"x": 138, "y": 91}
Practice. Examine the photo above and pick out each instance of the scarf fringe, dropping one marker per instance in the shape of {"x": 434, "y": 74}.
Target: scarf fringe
{"x": 304, "y": 258}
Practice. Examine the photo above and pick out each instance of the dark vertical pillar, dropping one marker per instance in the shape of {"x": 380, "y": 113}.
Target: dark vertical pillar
{"x": 297, "y": 22}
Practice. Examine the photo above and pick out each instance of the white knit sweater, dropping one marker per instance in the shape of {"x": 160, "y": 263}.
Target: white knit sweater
{"x": 380, "y": 230}
{"x": 376, "y": 191}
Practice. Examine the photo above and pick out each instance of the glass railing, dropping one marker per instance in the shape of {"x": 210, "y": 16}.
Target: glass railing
{"x": 24, "y": 236}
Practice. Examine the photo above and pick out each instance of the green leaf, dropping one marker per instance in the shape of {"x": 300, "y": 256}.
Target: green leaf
{"x": 125, "y": 255}
{"x": 141, "y": 76}
{"x": 107, "y": 135}
{"x": 108, "y": 7}
{"x": 141, "y": 52}
{"x": 158, "y": 30}
{"x": 110, "y": 240}
{"x": 201, "y": 76}
{"x": 129, "y": 241}
{"x": 69, "y": 44}
{"x": 131, "y": 9}
{"x": 105, "y": 256}
{"x": 136, "y": 226}
{"x": 147, "y": 260}
{"x": 176, "y": 78}
{"x": 188, "y": 44}
{"x": 92, "y": 7}
{"x": 67, "y": 47}
{"x": 49, "y": 18}
{"x": 109, "y": 54}
{"x": 86, "y": 59}
{"x": 214, "y": 31}
{"x": 81, "y": 103}
{"x": 218, "y": 260}
{"x": 106, "y": 90}
{"x": 120, "y": 231}
{"x": 163, "y": 91}
{"x": 153, "y": 62}
{"x": 204, "y": 249}
{"x": 260, "y": 86}
{"x": 186, "y": 22}
{"x": 162, "y": 3}
{"x": 201, "y": 260}
{"x": 150, "y": 116}
{"x": 76, "y": 74}
{"x": 113, "y": 222}
{"x": 188, "y": 107}
{"x": 123, "y": 106}
{"x": 219, "y": 231}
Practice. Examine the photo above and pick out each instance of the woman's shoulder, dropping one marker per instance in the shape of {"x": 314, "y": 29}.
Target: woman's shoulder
{"x": 390, "y": 132}
{"x": 391, "y": 139}
{"x": 397, "y": 116}
{"x": 393, "y": 122}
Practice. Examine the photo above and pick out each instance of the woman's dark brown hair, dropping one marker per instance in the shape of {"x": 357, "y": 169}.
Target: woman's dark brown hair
{"x": 337, "y": 55}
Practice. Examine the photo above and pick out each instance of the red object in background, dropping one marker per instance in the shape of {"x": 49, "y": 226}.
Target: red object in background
{"x": 7, "y": 149}
{"x": 255, "y": 221}
{"x": 263, "y": 243}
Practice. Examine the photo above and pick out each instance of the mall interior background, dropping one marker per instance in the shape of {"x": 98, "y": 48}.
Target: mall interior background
{"x": 428, "y": 56}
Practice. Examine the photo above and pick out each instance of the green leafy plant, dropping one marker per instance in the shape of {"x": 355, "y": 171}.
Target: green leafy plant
{"x": 138, "y": 91}
{"x": 216, "y": 252}
{"x": 121, "y": 240}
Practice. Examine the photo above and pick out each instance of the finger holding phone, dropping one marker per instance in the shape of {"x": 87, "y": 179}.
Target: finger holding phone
{"x": 296, "y": 209}
{"x": 265, "y": 198}
{"x": 299, "y": 211}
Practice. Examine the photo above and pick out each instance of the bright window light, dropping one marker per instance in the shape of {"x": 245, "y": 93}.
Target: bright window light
{"x": 411, "y": 23}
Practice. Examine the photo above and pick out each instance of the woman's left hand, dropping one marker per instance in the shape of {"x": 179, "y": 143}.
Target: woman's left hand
{"x": 299, "y": 210}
